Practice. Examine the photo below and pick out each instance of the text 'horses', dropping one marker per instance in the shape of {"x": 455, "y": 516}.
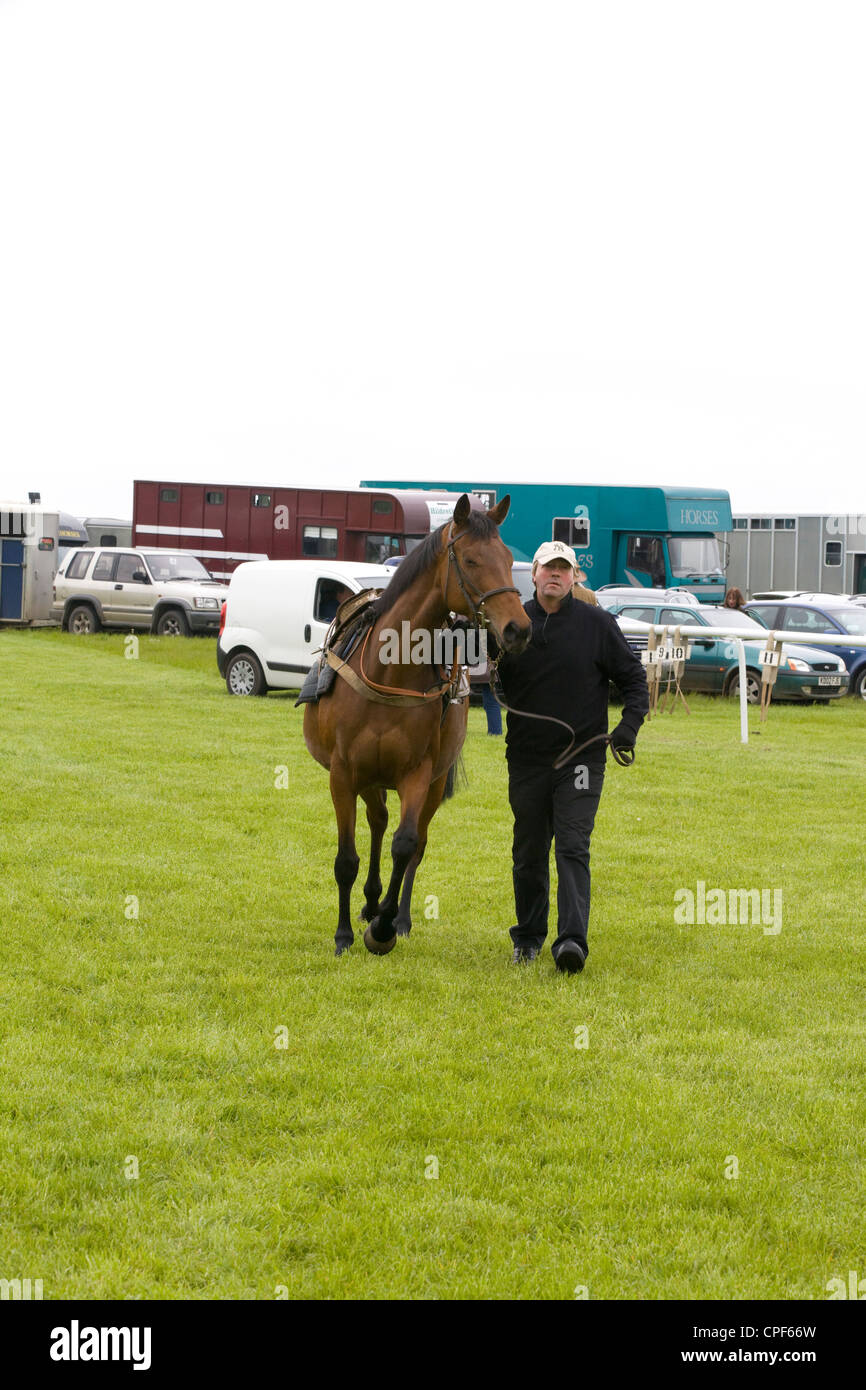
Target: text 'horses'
{"x": 389, "y": 723}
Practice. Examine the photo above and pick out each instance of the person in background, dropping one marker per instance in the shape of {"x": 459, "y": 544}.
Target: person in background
{"x": 492, "y": 710}
{"x": 734, "y": 599}
{"x": 580, "y": 591}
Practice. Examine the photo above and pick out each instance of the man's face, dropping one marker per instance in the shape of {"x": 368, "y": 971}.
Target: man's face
{"x": 554, "y": 579}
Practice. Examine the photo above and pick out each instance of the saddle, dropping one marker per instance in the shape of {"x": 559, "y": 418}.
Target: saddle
{"x": 353, "y": 617}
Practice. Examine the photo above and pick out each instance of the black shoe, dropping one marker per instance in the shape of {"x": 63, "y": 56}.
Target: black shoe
{"x": 524, "y": 954}
{"x": 570, "y": 958}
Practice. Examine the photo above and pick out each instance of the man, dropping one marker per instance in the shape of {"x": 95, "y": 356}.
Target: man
{"x": 575, "y": 651}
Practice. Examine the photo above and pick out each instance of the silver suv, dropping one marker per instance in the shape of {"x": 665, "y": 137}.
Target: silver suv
{"x": 164, "y": 591}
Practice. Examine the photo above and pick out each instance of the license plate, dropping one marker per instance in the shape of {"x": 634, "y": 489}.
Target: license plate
{"x": 829, "y": 680}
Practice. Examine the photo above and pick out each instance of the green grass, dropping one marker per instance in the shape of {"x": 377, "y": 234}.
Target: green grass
{"x": 303, "y": 1167}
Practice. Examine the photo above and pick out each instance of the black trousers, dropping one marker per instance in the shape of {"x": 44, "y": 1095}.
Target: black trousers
{"x": 559, "y": 806}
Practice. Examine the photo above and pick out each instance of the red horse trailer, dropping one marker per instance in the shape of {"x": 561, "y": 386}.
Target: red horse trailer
{"x": 223, "y": 525}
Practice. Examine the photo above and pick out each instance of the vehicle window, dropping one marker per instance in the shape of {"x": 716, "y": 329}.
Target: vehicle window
{"x": 765, "y": 614}
{"x": 679, "y": 616}
{"x": 855, "y": 623}
{"x": 645, "y": 554}
{"x": 732, "y": 617}
{"x": 104, "y": 567}
{"x": 126, "y": 568}
{"x": 78, "y": 566}
{"x": 376, "y": 548}
{"x": 795, "y": 619}
{"x": 330, "y": 593}
{"x": 322, "y": 540}
{"x": 643, "y": 615}
{"x": 171, "y": 564}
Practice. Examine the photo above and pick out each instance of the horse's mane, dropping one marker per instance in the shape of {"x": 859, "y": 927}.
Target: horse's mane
{"x": 422, "y": 558}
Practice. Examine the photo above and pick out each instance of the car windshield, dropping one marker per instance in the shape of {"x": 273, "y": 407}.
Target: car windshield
{"x": 694, "y": 556}
{"x": 172, "y": 564}
{"x": 732, "y": 617}
{"x": 849, "y": 621}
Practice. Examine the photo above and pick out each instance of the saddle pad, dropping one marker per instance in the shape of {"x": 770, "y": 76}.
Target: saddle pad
{"x": 320, "y": 678}
{"x": 310, "y": 688}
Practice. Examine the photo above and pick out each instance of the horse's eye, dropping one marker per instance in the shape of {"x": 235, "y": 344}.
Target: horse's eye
{"x": 471, "y": 562}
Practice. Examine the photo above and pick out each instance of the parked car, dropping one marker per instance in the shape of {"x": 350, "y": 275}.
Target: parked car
{"x": 805, "y": 673}
{"x": 163, "y": 591}
{"x": 809, "y": 618}
{"x": 610, "y": 596}
{"x": 277, "y": 614}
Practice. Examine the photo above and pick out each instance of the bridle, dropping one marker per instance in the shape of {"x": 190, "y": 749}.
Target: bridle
{"x": 476, "y": 603}
{"x": 448, "y": 685}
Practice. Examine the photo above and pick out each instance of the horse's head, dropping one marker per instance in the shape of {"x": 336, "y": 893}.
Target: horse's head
{"x": 478, "y": 581}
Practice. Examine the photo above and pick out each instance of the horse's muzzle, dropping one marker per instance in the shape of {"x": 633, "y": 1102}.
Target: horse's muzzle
{"x": 515, "y": 637}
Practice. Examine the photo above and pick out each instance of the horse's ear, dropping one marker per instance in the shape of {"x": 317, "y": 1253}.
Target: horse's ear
{"x": 500, "y": 511}
{"x": 462, "y": 510}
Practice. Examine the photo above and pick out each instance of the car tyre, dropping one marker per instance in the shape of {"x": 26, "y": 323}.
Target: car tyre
{"x": 859, "y": 686}
{"x": 82, "y": 620}
{"x": 753, "y": 686}
{"x": 172, "y": 623}
{"x": 244, "y": 675}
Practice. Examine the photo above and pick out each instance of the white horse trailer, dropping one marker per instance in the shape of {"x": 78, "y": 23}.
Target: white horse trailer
{"x": 28, "y": 562}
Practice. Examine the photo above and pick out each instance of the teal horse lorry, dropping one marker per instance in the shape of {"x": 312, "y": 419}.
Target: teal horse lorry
{"x": 647, "y": 537}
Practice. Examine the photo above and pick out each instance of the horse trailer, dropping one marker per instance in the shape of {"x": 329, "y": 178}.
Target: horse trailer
{"x": 224, "y": 525}
{"x": 28, "y": 562}
{"x": 645, "y": 537}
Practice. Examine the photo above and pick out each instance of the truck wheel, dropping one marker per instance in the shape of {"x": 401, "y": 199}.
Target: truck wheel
{"x": 82, "y": 620}
{"x": 859, "y": 686}
{"x": 172, "y": 623}
{"x": 753, "y": 687}
{"x": 244, "y": 675}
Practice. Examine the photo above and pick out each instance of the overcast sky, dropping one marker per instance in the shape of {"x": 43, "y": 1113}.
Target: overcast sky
{"x": 244, "y": 240}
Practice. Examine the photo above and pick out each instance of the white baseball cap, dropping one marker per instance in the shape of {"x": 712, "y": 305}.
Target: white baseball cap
{"x": 554, "y": 550}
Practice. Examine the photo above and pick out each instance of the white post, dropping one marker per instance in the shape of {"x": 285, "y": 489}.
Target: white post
{"x": 744, "y": 708}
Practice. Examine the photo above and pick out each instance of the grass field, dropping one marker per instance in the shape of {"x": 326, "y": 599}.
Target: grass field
{"x": 200, "y": 1101}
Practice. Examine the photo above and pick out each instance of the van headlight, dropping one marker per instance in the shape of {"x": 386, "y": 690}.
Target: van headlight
{"x": 205, "y": 603}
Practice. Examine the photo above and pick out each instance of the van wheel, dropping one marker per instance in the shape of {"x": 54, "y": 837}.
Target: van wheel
{"x": 753, "y": 687}
{"x": 244, "y": 675}
{"x": 82, "y": 620}
{"x": 172, "y": 623}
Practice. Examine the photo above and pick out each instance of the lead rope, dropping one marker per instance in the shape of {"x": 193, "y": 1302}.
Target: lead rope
{"x": 623, "y": 756}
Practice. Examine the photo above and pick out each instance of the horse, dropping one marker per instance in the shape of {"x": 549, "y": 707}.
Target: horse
{"x": 389, "y": 723}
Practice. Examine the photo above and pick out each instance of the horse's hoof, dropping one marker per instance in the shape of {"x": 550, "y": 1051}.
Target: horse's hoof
{"x": 342, "y": 947}
{"x": 403, "y": 928}
{"x": 378, "y": 948}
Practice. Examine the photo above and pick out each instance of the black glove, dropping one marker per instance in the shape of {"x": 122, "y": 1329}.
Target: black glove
{"x": 623, "y": 737}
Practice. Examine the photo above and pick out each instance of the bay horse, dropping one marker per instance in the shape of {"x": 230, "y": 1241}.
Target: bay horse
{"x": 385, "y": 725}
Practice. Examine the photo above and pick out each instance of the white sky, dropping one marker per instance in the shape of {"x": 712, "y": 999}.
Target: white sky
{"x": 246, "y": 240}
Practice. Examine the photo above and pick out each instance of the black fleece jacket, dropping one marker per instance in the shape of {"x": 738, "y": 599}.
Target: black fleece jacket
{"x": 565, "y": 670}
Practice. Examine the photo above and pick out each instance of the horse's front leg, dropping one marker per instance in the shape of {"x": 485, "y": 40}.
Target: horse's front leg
{"x": 403, "y": 920}
{"x": 346, "y": 862}
{"x": 380, "y": 935}
{"x": 377, "y": 819}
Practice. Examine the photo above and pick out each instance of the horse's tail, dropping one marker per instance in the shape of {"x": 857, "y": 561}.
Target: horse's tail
{"x": 456, "y": 776}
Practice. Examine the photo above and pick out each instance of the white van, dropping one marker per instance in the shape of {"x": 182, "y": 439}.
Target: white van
{"x": 277, "y": 614}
